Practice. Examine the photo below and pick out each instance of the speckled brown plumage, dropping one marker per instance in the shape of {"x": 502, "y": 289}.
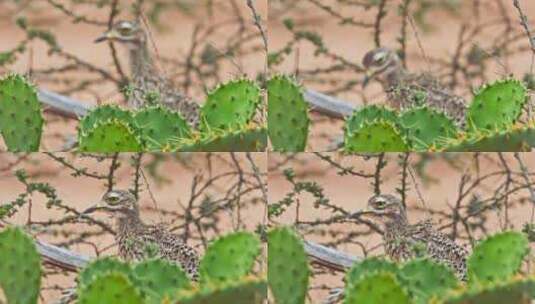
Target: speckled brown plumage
{"x": 406, "y": 90}
{"x": 404, "y": 241}
{"x": 146, "y": 80}
{"x": 138, "y": 241}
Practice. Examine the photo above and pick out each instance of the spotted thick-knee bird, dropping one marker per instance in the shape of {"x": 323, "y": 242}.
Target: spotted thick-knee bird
{"x": 146, "y": 79}
{"x": 138, "y": 241}
{"x": 404, "y": 241}
{"x": 406, "y": 90}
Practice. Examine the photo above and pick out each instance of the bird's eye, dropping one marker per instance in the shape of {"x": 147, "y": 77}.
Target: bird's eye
{"x": 380, "y": 204}
{"x": 124, "y": 31}
{"x": 381, "y": 60}
{"x": 113, "y": 200}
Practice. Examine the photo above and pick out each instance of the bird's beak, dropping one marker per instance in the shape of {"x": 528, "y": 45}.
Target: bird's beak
{"x": 367, "y": 77}
{"x": 363, "y": 212}
{"x": 95, "y": 207}
{"x": 107, "y": 35}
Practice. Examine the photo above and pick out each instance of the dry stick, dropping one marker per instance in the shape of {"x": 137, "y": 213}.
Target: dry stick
{"x": 525, "y": 175}
{"x": 60, "y": 257}
{"x": 524, "y": 22}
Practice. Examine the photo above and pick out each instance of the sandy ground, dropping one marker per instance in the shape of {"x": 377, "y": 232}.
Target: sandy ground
{"x": 80, "y": 193}
{"x": 351, "y": 43}
{"x": 352, "y": 193}
{"x": 173, "y": 41}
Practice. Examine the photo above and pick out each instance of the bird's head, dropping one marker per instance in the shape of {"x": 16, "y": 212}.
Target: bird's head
{"x": 115, "y": 202}
{"x": 127, "y": 32}
{"x": 384, "y": 209}
{"x": 379, "y": 63}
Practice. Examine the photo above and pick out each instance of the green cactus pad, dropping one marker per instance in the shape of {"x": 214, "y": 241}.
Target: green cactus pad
{"x": 21, "y": 120}
{"x": 497, "y": 258}
{"x": 230, "y": 106}
{"x": 105, "y": 113}
{"x": 229, "y": 258}
{"x": 160, "y": 279}
{"x": 103, "y": 266}
{"x": 512, "y": 291}
{"x": 113, "y": 287}
{"x": 426, "y": 279}
{"x": 516, "y": 139}
{"x": 288, "y": 120}
{"x": 380, "y": 287}
{"x": 288, "y": 269}
{"x": 244, "y": 291}
{"x": 159, "y": 126}
{"x": 20, "y": 267}
{"x": 249, "y": 139}
{"x": 427, "y": 127}
{"x": 377, "y": 136}
{"x": 368, "y": 266}
{"x": 110, "y": 136}
{"x": 497, "y": 105}
{"x": 369, "y": 114}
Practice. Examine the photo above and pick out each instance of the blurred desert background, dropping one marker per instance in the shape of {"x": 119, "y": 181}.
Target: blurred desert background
{"x": 490, "y": 192}
{"x": 196, "y": 44}
{"x": 200, "y": 195}
{"x": 463, "y": 43}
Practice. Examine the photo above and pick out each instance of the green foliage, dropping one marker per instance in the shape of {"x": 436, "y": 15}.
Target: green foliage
{"x": 249, "y": 139}
{"x": 160, "y": 279}
{"x": 370, "y": 114}
{"x": 514, "y": 139}
{"x": 229, "y": 258}
{"x": 20, "y": 267}
{"x": 288, "y": 269}
{"x": 369, "y": 265}
{"x": 380, "y": 287}
{"x": 377, "y": 136}
{"x": 426, "y": 279}
{"x": 114, "y": 287}
{"x": 248, "y": 290}
{"x": 288, "y": 120}
{"x": 427, "y": 127}
{"x": 497, "y": 105}
{"x": 110, "y": 136}
{"x": 230, "y": 106}
{"x": 512, "y": 291}
{"x": 159, "y": 126}
{"x": 103, "y": 266}
{"x": 491, "y": 125}
{"x": 497, "y": 258}
{"x": 104, "y": 113}
{"x": 21, "y": 120}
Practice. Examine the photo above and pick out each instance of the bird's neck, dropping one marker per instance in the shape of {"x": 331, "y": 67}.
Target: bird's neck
{"x": 140, "y": 61}
{"x": 128, "y": 222}
{"x": 395, "y": 224}
{"x": 392, "y": 76}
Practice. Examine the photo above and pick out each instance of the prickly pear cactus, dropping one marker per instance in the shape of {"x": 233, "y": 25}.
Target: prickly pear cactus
{"x": 160, "y": 279}
{"x": 110, "y": 136}
{"x": 159, "y": 126}
{"x": 114, "y": 287}
{"x": 288, "y": 269}
{"x": 104, "y": 113}
{"x": 248, "y": 290}
{"x": 249, "y": 139}
{"x": 497, "y": 105}
{"x": 20, "y": 267}
{"x": 426, "y": 279}
{"x": 512, "y": 291}
{"x": 378, "y": 136}
{"x": 103, "y": 266}
{"x": 497, "y": 258}
{"x": 515, "y": 139}
{"x": 370, "y": 265}
{"x": 370, "y": 114}
{"x": 379, "y": 287}
{"x": 230, "y": 106}
{"x": 21, "y": 121}
{"x": 427, "y": 127}
{"x": 287, "y": 115}
{"x": 229, "y": 258}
